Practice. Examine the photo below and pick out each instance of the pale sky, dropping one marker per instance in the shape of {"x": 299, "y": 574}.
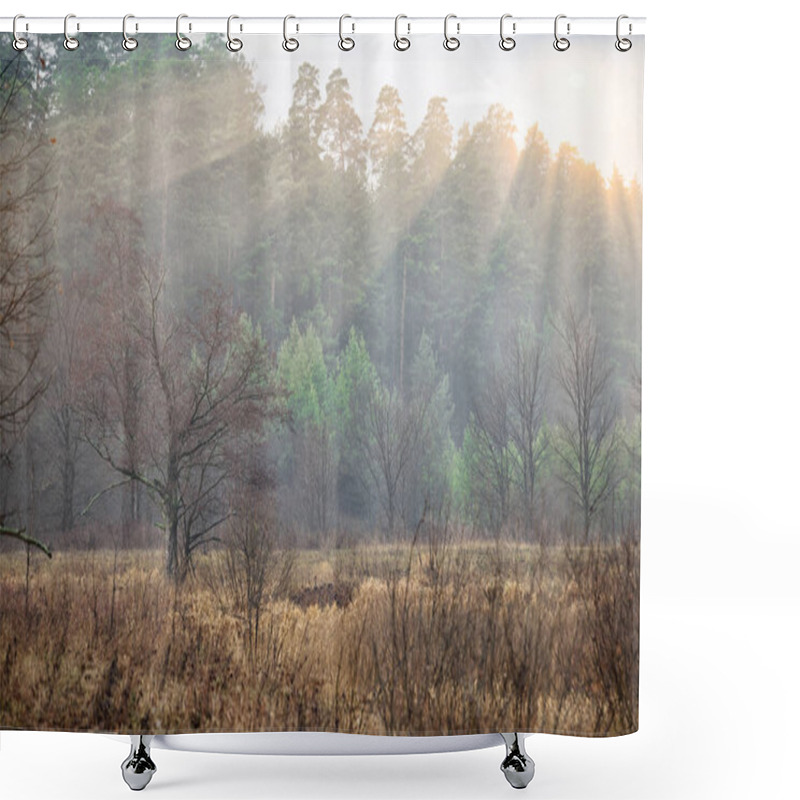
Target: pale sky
{"x": 590, "y": 95}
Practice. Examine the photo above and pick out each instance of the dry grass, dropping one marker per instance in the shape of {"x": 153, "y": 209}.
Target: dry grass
{"x": 424, "y": 639}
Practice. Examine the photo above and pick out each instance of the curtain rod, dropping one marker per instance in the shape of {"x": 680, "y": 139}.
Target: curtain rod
{"x": 518, "y": 26}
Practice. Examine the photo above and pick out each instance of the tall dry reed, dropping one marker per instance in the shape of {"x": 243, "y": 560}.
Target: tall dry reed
{"x": 440, "y": 635}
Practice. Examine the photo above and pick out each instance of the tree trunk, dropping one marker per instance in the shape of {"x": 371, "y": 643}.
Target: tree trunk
{"x": 131, "y": 512}
{"x": 67, "y": 494}
{"x": 402, "y": 328}
{"x": 172, "y": 545}
{"x": 171, "y": 498}
{"x": 390, "y": 512}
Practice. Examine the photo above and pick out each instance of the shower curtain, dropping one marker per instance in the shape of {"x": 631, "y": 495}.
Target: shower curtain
{"x": 320, "y": 394}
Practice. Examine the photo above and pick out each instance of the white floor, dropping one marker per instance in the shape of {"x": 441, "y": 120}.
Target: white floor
{"x": 719, "y": 695}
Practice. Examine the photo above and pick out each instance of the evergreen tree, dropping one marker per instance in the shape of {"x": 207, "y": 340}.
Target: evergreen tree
{"x": 310, "y": 399}
{"x": 389, "y": 150}
{"x": 388, "y": 141}
{"x": 340, "y": 128}
{"x": 429, "y": 477}
{"x": 356, "y": 382}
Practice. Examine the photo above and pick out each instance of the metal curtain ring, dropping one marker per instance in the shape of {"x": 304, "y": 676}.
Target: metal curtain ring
{"x": 623, "y": 45}
{"x": 181, "y": 42}
{"x": 561, "y": 43}
{"x": 19, "y": 44}
{"x": 507, "y": 42}
{"x": 345, "y": 42}
{"x": 233, "y": 44}
{"x": 290, "y": 44}
{"x": 451, "y": 42}
{"x": 128, "y": 42}
{"x": 70, "y": 42}
{"x": 401, "y": 43}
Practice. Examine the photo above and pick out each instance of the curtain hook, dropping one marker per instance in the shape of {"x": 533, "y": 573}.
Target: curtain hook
{"x": 234, "y": 45}
{"x": 507, "y": 42}
{"x": 401, "y": 43}
{"x": 623, "y": 45}
{"x": 19, "y": 43}
{"x": 561, "y": 43}
{"x": 346, "y": 42}
{"x": 182, "y": 42}
{"x": 70, "y": 42}
{"x": 290, "y": 44}
{"x": 128, "y": 42}
{"x": 451, "y": 42}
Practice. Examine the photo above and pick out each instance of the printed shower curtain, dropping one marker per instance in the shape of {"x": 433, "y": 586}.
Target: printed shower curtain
{"x": 320, "y": 388}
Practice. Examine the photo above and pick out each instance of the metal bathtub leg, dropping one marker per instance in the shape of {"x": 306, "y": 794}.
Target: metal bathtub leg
{"x": 517, "y": 766}
{"x": 138, "y": 768}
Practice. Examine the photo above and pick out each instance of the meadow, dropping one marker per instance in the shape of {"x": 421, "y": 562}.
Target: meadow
{"x": 422, "y": 638}
{"x": 311, "y": 461}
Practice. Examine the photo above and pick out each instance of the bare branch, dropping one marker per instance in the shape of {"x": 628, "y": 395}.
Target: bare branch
{"x": 19, "y": 533}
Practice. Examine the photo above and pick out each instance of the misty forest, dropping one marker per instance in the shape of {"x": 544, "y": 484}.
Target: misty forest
{"x": 331, "y": 425}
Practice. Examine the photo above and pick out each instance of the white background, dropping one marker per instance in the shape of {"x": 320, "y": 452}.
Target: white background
{"x": 721, "y": 538}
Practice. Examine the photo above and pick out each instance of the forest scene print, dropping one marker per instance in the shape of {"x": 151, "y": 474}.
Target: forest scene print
{"x": 320, "y": 407}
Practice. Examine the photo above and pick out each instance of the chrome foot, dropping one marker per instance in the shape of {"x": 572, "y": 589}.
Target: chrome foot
{"x": 517, "y": 766}
{"x": 138, "y": 768}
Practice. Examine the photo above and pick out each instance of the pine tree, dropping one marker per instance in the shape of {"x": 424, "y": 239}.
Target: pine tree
{"x": 340, "y": 127}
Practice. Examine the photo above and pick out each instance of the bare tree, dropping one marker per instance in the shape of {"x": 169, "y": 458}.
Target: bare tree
{"x": 26, "y": 277}
{"x": 524, "y": 369}
{"x": 492, "y": 467}
{"x": 587, "y": 447}
{"x": 426, "y": 481}
{"x": 212, "y": 373}
{"x": 206, "y": 382}
{"x": 388, "y": 438}
{"x": 63, "y": 348}
{"x": 507, "y": 429}
{"x": 392, "y": 440}
{"x": 113, "y": 335}
{"x": 316, "y": 475}
{"x": 254, "y": 565}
